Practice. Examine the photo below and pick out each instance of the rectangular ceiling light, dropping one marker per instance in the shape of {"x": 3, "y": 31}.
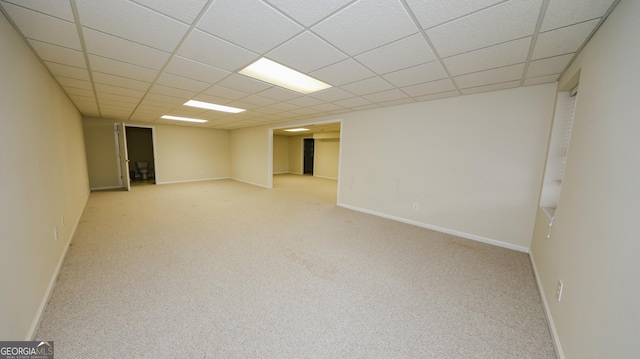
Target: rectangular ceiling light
{"x": 212, "y": 106}
{"x": 279, "y": 75}
{"x": 297, "y": 129}
{"x": 186, "y": 119}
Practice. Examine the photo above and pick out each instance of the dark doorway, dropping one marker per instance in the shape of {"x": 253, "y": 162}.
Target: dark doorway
{"x": 308, "y": 156}
{"x": 140, "y": 150}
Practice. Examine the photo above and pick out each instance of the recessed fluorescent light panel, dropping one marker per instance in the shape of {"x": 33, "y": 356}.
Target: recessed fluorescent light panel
{"x": 297, "y": 129}
{"x": 279, "y": 75}
{"x": 212, "y": 106}
{"x": 186, "y": 119}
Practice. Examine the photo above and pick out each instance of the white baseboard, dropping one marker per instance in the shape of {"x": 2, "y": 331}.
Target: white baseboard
{"x": 54, "y": 278}
{"x": 194, "y": 180}
{"x": 104, "y": 188}
{"x": 331, "y": 178}
{"x": 552, "y": 327}
{"x": 440, "y": 229}
{"x": 251, "y": 183}
{"x": 281, "y": 173}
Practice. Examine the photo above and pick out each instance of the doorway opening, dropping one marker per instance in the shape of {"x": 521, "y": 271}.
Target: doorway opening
{"x": 309, "y": 145}
{"x": 312, "y": 150}
{"x": 141, "y": 156}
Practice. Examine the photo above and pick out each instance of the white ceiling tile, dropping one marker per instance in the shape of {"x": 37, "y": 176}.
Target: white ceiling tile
{"x": 342, "y": 73}
{"x": 503, "y": 74}
{"x": 171, "y": 91}
{"x": 118, "y": 81}
{"x": 398, "y": 55}
{"x": 305, "y": 101}
{"x": 168, "y": 101}
{"x": 183, "y": 10}
{"x": 365, "y": 25}
{"x": 384, "y": 96}
{"x": 132, "y": 22}
{"x": 248, "y": 23}
{"x": 508, "y": 21}
{"x": 548, "y": 66}
{"x": 113, "y": 101}
{"x": 195, "y": 70}
{"x": 508, "y": 53}
{"x": 366, "y": 107}
{"x": 304, "y": 111}
{"x": 435, "y": 12}
{"x": 562, "y": 41}
{"x": 281, "y": 106}
{"x": 353, "y": 102}
{"x": 79, "y": 92}
{"x": 75, "y": 83}
{"x": 181, "y": 82}
{"x": 121, "y": 91}
{"x": 279, "y": 93}
{"x": 45, "y": 28}
{"x": 59, "y": 9}
{"x": 374, "y": 84}
{"x": 268, "y": 110}
{"x": 310, "y": 11}
{"x": 61, "y": 55}
{"x": 438, "y": 96}
{"x": 332, "y": 94}
{"x": 258, "y": 100}
{"x": 417, "y": 74}
{"x": 541, "y": 80}
{"x": 85, "y": 100}
{"x": 153, "y": 102}
{"x": 67, "y": 71}
{"x": 326, "y": 107}
{"x": 115, "y": 48}
{"x": 562, "y": 13}
{"x": 119, "y": 68}
{"x": 306, "y": 52}
{"x": 224, "y": 92}
{"x": 493, "y": 87}
{"x": 205, "y": 48}
{"x": 141, "y": 118}
{"x": 244, "y": 83}
{"x": 429, "y": 88}
{"x": 402, "y": 101}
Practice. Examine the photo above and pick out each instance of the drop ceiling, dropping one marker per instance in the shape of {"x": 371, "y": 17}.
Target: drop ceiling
{"x": 135, "y": 61}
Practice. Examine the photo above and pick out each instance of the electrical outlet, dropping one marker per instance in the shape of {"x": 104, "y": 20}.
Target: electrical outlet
{"x": 55, "y": 233}
{"x": 416, "y": 206}
{"x": 559, "y": 290}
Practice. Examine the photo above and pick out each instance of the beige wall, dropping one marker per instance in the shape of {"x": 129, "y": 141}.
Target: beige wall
{"x": 100, "y": 147}
{"x": 326, "y": 158}
{"x": 250, "y": 155}
{"x": 43, "y": 177}
{"x": 473, "y": 163}
{"x": 191, "y": 154}
{"x": 296, "y": 150}
{"x": 182, "y": 153}
{"x": 288, "y": 153}
{"x": 594, "y": 242}
{"x": 281, "y": 146}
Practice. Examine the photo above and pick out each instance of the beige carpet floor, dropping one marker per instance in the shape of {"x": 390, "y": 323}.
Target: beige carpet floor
{"x": 223, "y": 269}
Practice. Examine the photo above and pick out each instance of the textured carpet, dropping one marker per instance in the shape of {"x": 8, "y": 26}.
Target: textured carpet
{"x": 223, "y": 269}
